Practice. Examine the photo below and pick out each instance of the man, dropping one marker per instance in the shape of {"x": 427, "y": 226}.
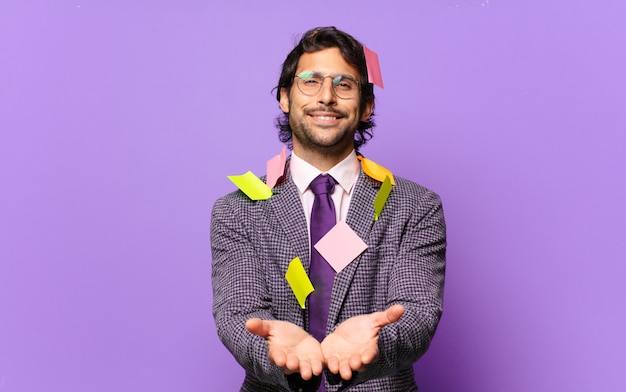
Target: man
{"x": 364, "y": 326}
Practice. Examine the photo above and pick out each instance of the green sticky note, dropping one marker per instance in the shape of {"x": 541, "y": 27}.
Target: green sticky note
{"x": 252, "y": 186}
{"x": 382, "y": 196}
{"x": 299, "y": 281}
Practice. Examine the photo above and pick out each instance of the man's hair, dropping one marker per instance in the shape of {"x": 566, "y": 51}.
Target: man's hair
{"x": 352, "y": 52}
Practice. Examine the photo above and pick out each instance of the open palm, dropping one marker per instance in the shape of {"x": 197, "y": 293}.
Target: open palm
{"x": 354, "y": 344}
{"x": 290, "y": 347}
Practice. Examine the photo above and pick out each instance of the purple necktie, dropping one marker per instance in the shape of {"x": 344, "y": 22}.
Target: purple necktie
{"x": 320, "y": 272}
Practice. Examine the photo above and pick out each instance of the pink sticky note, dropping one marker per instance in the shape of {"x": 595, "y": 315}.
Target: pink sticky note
{"x": 276, "y": 168}
{"x": 373, "y": 67}
{"x": 340, "y": 246}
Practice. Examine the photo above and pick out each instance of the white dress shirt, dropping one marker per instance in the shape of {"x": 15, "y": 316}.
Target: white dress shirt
{"x": 345, "y": 173}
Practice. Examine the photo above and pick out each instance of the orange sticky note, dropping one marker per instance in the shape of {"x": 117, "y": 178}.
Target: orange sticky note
{"x": 340, "y": 246}
{"x": 373, "y": 67}
{"x": 252, "y": 186}
{"x": 276, "y": 168}
{"x": 376, "y": 171}
{"x": 299, "y": 281}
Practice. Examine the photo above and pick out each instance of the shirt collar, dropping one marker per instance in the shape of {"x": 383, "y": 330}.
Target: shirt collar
{"x": 345, "y": 172}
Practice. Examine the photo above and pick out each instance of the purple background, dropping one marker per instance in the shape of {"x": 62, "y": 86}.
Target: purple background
{"x": 120, "y": 120}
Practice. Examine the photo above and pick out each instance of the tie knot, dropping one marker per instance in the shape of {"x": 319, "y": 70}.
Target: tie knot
{"x": 323, "y": 184}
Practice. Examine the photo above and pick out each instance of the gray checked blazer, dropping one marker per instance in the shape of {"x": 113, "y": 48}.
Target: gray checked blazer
{"x": 254, "y": 241}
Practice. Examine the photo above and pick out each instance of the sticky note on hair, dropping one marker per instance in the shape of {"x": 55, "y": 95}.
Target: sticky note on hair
{"x": 375, "y": 170}
{"x": 252, "y": 186}
{"x": 373, "y": 67}
{"x": 299, "y": 281}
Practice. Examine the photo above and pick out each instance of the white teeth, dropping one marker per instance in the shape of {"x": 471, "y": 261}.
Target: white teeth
{"x": 325, "y": 118}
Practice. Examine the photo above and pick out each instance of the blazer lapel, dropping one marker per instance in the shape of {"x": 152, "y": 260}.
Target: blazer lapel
{"x": 287, "y": 208}
{"x": 360, "y": 219}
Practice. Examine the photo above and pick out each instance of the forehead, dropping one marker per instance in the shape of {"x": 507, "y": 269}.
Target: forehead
{"x": 326, "y": 61}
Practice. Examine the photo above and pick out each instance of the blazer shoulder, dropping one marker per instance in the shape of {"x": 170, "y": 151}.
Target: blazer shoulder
{"x": 409, "y": 189}
{"x": 283, "y": 195}
{"x": 234, "y": 197}
{"x": 235, "y": 203}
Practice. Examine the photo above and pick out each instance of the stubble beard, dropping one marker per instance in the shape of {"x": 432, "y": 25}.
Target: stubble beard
{"x": 319, "y": 140}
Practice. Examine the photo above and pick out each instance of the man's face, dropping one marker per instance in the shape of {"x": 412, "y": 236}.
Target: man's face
{"x": 323, "y": 123}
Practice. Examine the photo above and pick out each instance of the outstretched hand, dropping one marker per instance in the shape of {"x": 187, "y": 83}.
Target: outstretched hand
{"x": 354, "y": 344}
{"x": 351, "y": 347}
{"x": 290, "y": 347}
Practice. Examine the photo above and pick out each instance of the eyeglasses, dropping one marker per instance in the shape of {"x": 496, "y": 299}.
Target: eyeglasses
{"x": 310, "y": 83}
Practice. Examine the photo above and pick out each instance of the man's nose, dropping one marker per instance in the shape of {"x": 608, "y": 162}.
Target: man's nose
{"x": 327, "y": 94}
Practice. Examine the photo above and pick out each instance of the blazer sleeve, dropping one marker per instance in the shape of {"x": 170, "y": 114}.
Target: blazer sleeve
{"x": 239, "y": 292}
{"x": 416, "y": 281}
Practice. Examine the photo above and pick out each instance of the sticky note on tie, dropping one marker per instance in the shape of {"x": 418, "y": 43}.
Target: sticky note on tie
{"x": 381, "y": 197}
{"x": 276, "y": 168}
{"x": 299, "y": 281}
{"x": 252, "y": 186}
{"x": 373, "y": 67}
{"x": 340, "y": 246}
{"x": 376, "y": 171}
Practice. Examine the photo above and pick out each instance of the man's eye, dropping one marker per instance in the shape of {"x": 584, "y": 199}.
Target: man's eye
{"x": 345, "y": 85}
{"x": 311, "y": 82}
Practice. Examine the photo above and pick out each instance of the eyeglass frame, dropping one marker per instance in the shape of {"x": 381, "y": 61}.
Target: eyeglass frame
{"x": 333, "y": 77}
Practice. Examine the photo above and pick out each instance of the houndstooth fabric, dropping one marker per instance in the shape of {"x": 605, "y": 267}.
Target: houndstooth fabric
{"x": 254, "y": 241}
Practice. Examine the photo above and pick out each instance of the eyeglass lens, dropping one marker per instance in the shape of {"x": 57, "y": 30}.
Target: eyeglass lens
{"x": 310, "y": 83}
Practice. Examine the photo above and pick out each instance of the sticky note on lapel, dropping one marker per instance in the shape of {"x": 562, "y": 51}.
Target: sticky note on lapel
{"x": 382, "y": 196}
{"x": 299, "y": 281}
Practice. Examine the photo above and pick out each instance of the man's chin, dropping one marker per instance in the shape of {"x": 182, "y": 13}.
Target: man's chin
{"x": 332, "y": 144}
{"x": 327, "y": 137}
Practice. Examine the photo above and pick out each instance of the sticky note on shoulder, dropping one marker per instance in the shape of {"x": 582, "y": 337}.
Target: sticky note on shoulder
{"x": 252, "y": 186}
{"x": 276, "y": 168}
{"x": 299, "y": 281}
{"x": 376, "y": 171}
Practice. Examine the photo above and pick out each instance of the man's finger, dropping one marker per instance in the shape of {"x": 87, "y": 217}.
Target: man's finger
{"x": 258, "y": 327}
{"x": 367, "y": 357}
{"x": 305, "y": 369}
{"x": 293, "y": 363}
{"x": 394, "y": 313}
{"x": 356, "y": 362}
{"x": 316, "y": 367}
{"x": 333, "y": 364}
{"x": 345, "y": 370}
{"x": 391, "y": 315}
{"x": 279, "y": 358}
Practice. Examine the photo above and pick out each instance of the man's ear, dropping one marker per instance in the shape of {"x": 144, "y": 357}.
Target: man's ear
{"x": 284, "y": 100}
{"x": 367, "y": 110}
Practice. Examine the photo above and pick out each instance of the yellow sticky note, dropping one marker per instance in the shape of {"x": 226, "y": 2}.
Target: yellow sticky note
{"x": 375, "y": 170}
{"x": 381, "y": 197}
{"x": 252, "y": 186}
{"x": 299, "y": 281}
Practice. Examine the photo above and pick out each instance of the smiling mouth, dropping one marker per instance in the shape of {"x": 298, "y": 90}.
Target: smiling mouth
{"x": 325, "y": 118}
{"x": 325, "y": 115}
